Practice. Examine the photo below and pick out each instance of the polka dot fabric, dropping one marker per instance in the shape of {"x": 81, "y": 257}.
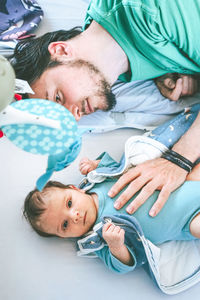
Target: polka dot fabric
{"x": 38, "y": 139}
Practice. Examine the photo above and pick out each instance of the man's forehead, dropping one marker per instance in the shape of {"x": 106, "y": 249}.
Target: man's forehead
{"x": 40, "y": 89}
{"x": 47, "y": 83}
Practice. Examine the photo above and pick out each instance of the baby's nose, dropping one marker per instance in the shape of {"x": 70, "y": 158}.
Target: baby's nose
{"x": 75, "y": 216}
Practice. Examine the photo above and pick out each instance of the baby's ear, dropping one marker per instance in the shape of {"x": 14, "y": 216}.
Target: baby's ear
{"x": 77, "y": 189}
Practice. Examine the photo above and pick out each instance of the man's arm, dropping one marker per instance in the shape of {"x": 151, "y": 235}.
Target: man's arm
{"x": 158, "y": 174}
{"x": 173, "y": 86}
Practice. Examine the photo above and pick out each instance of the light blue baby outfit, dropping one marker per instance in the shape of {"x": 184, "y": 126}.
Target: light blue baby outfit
{"x": 172, "y": 223}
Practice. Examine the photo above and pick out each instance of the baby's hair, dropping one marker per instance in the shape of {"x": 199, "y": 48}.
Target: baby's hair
{"x": 34, "y": 205}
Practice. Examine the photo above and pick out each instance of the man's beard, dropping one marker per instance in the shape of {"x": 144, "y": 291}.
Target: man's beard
{"x": 106, "y": 92}
{"x": 104, "y": 88}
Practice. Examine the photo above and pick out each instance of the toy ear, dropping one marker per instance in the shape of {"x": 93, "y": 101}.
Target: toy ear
{"x": 58, "y": 162}
{"x": 43, "y": 127}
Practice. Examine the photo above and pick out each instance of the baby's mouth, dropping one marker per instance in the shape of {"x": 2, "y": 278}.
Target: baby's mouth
{"x": 84, "y": 218}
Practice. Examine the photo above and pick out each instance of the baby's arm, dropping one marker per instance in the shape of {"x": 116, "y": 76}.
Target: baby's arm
{"x": 114, "y": 236}
{"x": 86, "y": 165}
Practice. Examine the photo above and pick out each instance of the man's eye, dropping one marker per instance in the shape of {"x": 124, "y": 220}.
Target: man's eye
{"x": 69, "y": 204}
{"x": 65, "y": 224}
{"x": 58, "y": 100}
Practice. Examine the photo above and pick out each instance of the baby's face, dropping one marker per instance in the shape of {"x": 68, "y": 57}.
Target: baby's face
{"x": 69, "y": 212}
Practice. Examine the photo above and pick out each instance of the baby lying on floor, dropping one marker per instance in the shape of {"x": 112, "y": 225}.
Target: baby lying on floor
{"x": 67, "y": 211}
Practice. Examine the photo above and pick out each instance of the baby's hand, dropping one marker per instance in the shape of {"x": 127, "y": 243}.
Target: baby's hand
{"x": 114, "y": 236}
{"x": 86, "y": 165}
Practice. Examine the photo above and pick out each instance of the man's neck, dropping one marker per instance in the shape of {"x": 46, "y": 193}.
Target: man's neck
{"x": 97, "y": 46}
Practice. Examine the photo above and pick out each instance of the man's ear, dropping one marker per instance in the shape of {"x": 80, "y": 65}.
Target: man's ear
{"x": 60, "y": 49}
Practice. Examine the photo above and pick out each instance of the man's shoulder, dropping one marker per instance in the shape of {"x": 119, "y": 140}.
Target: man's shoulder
{"x": 106, "y": 5}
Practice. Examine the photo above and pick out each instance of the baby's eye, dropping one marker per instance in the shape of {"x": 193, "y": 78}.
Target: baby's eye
{"x": 65, "y": 224}
{"x": 69, "y": 204}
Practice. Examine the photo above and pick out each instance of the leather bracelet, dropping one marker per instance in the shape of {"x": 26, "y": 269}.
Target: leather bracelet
{"x": 197, "y": 161}
{"x": 182, "y": 158}
{"x": 178, "y": 160}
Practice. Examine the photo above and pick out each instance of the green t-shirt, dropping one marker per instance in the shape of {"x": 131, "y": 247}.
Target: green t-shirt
{"x": 158, "y": 36}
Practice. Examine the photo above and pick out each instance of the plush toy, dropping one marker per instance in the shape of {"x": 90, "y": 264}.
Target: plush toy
{"x": 43, "y": 127}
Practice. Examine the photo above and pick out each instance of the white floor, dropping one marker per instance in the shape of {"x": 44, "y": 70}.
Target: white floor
{"x": 35, "y": 268}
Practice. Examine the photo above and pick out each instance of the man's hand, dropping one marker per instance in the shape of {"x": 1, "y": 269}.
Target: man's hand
{"x": 156, "y": 174}
{"x": 173, "y": 86}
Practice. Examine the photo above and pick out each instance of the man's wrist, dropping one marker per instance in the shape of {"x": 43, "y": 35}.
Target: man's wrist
{"x": 178, "y": 160}
{"x": 189, "y": 144}
{"x": 183, "y": 151}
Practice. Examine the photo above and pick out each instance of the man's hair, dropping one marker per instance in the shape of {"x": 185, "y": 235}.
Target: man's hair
{"x": 31, "y": 57}
{"x": 34, "y": 205}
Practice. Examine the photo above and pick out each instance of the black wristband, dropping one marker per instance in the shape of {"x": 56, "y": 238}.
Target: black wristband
{"x": 197, "y": 161}
{"x": 178, "y": 160}
{"x": 183, "y": 159}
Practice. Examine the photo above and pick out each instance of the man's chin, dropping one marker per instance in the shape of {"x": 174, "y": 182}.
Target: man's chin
{"x": 110, "y": 101}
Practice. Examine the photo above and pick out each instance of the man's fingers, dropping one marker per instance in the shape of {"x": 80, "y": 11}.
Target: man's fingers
{"x": 169, "y": 83}
{"x": 189, "y": 86}
{"x": 123, "y": 181}
{"x": 185, "y": 85}
{"x": 170, "y": 89}
{"x": 156, "y": 174}
{"x": 173, "y": 89}
{"x": 160, "y": 202}
{"x": 144, "y": 194}
{"x": 172, "y": 94}
{"x": 133, "y": 188}
{"x": 175, "y": 94}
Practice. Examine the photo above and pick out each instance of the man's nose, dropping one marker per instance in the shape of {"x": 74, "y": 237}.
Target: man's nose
{"x": 74, "y": 109}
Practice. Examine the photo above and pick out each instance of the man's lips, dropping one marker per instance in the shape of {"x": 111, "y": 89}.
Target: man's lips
{"x": 88, "y": 107}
